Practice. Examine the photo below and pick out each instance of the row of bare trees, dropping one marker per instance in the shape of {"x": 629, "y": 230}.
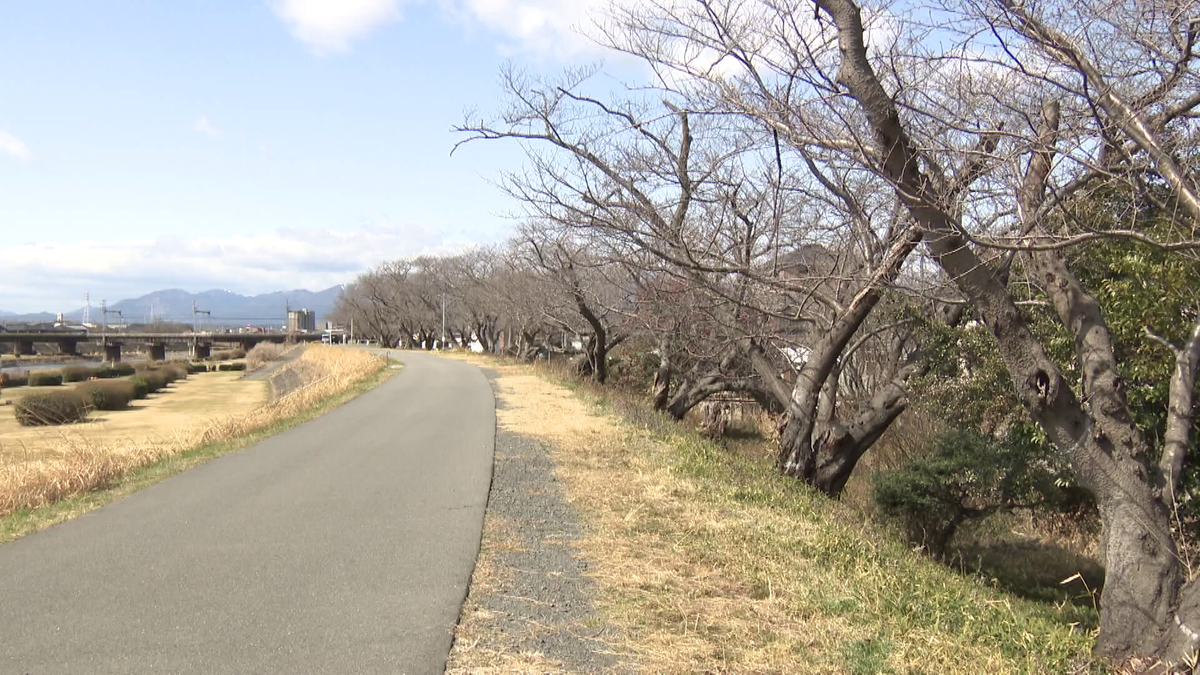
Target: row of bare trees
{"x": 803, "y": 183}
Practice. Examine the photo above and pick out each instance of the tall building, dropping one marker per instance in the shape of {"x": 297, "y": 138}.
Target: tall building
{"x": 301, "y": 320}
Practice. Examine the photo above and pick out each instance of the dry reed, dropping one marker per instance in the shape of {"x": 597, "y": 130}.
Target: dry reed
{"x": 262, "y": 354}
{"x": 86, "y": 465}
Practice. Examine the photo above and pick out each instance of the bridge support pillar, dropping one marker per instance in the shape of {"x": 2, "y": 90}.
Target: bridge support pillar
{"x": 201, "y": 350}
{"x": 158, "y": 352}
{"x": 68, "y": 347}
{"x": 112, "y": 352}
{"x": 23, "y": 348}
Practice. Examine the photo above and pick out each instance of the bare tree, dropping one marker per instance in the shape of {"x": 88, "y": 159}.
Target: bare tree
{"x": 982, "y": 125}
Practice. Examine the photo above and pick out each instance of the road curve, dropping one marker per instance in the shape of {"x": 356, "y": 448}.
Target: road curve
{"x": 344, "y": 545}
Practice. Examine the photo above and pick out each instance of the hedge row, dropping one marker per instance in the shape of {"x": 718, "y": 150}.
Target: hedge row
{"x": 108, "y": 394}
{"x": 53, "y": 378}
{"x": 43, "y": 378}
{"x": 51, "y": 408}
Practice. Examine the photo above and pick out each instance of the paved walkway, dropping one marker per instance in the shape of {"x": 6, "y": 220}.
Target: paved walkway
{"x": 344, "y": 545}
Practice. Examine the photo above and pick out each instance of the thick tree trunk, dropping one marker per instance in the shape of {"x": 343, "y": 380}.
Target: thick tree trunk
{"x": 829, "y": 452}
{"x": 1143, "y": 577}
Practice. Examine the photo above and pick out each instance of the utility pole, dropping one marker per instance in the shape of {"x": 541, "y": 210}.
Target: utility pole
{"x": 195, "y": 312}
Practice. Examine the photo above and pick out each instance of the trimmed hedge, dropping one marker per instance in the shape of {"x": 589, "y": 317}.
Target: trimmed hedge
{"x": 105, "y": 372}
{"x": 237, "y": 354}
{"x": 108, "y": 395}
{"x": 231, "y": 366}
{"x": 193, "y": 368}
{"x": 147, "y": 382}
{"x": 45, "y": 379}
{"x": 77, "y": 373}
{"x": 51, "y": 408}
{"x": 14, "y": 380}
{"x": 123, "y": 369}
{"x": 175, "y": 372}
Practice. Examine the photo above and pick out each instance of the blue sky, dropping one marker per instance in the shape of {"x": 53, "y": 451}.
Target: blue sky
{"x": 250, "y": 145}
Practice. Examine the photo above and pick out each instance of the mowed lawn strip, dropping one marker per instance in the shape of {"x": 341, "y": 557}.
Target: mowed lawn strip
{"x": 709, "y": 561}
{"x": 181, "y": 405}
{"x": 25, "y": 521}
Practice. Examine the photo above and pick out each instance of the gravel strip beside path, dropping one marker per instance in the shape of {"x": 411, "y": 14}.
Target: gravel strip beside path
{"x": 530, "y": 604}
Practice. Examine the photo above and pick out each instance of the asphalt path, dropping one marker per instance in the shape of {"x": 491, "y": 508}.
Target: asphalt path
{"x": 344, "y": 545}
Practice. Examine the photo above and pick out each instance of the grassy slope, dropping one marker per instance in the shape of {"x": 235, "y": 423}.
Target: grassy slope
{"x": 711, "y": 561}
{"x": 26, "y": 521}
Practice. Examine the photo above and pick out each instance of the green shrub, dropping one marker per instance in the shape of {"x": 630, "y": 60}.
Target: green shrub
{"x": 105, "y": 372}
{"x": 14, "y": 380}
{"x": 77, "y": 373}
{"x": 237, "y": 354}
{"x": 45, "y": 379}
{"x": 964, "y": 476}
{"x": 193, "y": 368}
{"x": 231, "y": 366}
{"x": 110, "y": 395}
{"x": 219, "y": 356}
{"x": 123, "y": 369}
{"x": 51, "y": 408}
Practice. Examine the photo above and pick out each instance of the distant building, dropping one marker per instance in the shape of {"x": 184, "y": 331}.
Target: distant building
{"x": 301, "y": 320}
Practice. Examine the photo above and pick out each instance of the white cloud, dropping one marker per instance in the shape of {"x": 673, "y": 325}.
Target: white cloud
{"x": 331, "y": 25}
{"x": 54, "y": 276}
{"x": 206, "y": 127}
{"x": 14, "y": 146}
{"x": 553, "y": 28}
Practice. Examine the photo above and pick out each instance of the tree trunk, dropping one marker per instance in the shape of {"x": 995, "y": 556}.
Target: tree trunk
{"x": 662, "y": 379}
{"x": 1143, "y": 577}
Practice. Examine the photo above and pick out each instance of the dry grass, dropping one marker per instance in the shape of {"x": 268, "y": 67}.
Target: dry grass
{"x": 85, "y": 462}
{"x": 710, "y": 562}
{"x": 184, "y": 404}
{"x": 324, "y": 370}
{"x": 262, "y": 354}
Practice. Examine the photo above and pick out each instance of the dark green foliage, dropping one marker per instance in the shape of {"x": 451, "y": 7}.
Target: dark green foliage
{"x": 237, "y": 354}
{"x": 105, "y": 372}
{"x": 966, "y": 476}
{"x": 231, "y": 366}
{"x": 196, "y": 368}
{"x": 45, "y": 379}
{"x": 108, "y": 395}
{"x": 51, "y": 408}
{"x": 14, "y": 380}
{"x": 219, "y": 356}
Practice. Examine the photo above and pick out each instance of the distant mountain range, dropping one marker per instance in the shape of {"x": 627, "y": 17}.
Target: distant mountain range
{"x": 227, "y": 309}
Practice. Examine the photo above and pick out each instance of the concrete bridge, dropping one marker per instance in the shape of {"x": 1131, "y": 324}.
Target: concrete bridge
{"x": 199, "y": 345}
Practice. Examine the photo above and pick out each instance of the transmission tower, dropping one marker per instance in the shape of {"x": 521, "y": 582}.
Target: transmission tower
{"x": 87, "y": 308}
